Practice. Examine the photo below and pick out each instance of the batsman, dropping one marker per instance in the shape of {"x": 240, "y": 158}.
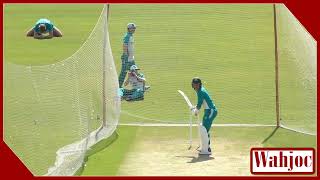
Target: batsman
{"x": 210, "y": 112}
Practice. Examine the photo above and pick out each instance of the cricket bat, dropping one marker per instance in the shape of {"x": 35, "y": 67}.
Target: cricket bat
{"x": 185, "y": 98}
{"x": 190, "y": 120}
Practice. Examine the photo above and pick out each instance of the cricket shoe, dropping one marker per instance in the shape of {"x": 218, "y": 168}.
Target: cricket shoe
{"x": 204, "y": 153}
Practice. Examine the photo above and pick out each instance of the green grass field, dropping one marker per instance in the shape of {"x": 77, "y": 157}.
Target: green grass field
{"x": 231, "y": 47}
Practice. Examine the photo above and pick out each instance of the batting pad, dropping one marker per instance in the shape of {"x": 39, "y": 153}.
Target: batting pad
{"x": 204, "y": 139}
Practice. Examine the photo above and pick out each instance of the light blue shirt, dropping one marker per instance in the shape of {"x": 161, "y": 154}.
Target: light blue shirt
{"x": 129, "y": 41}
{"x": 204, "y": 99}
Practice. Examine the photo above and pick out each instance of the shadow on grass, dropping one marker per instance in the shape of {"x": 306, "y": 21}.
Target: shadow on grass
{"x": 270, "y": 136}
{"x": 199, "y": 158}
{"x": 97, "y": 148}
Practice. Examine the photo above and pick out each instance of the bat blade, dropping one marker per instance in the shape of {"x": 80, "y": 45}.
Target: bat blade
{"x": 185, "y": 98}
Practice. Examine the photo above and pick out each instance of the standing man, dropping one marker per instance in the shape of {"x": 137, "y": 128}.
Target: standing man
{"x": 210, "y": 112}
{"x": 44, "y": 29}
{"x": 127, "y": 58}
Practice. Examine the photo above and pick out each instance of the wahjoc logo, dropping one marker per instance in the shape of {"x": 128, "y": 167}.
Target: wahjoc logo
{"x": 282, "y": 161}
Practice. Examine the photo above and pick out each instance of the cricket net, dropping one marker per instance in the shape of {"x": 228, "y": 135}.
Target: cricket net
{"x": 54, "y": 113}
{"x": 297, "y": 73}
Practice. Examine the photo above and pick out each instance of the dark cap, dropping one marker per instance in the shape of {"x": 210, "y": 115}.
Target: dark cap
{"x": 42, "y": 27}
{"x": 196, "y": 80}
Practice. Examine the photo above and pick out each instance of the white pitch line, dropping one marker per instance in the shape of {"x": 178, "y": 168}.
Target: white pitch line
{"x": 185, "y": 125}
{"x": 294, "y": 130}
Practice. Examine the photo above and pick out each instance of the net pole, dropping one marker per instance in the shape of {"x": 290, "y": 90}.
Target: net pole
{"x": 104, "y": 100}
{"x": 108, "y": 8}
{"x": 276, "y": 65}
